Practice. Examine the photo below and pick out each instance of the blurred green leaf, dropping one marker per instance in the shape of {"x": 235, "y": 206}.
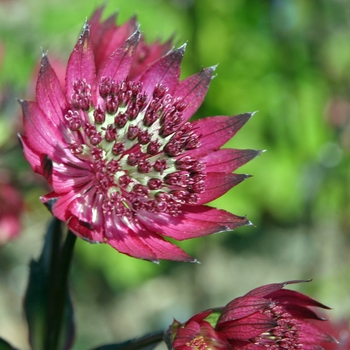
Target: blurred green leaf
{"x": 4, "y": 345}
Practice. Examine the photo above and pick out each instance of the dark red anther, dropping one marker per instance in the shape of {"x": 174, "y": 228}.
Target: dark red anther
{"x": 154, "y": 184}
{"x": 144, "y": 166}
{"x": 120, "y": 120}
{"x": 111, "y": 133}
{"x": 99, "y": 115}
{"x": 118, "y": 148}
{"x": 173, "y": 148}
{"x": 96, "y": 153}
{"x": 141, "y": 190}
{"x": 89, "y": 129}
{"x": 113, "y": 166}
{"x": 160, "y": 90}
{"x": 95, "y": 138}
{"x": 105, "y": 86}
{"x": 124, "y": 181}
{"x": 112, "y": 104}
{"x": 153, "y": 147}
{"x": 144, "y": 137}
{"x": 73, "y": 119}
{"x": 150, "y": 117}
{"x": 160, "y": 165}
{"x": 133, "y": 159}
{"x": 76, "y": 148}
{"x": 133, "y": 131}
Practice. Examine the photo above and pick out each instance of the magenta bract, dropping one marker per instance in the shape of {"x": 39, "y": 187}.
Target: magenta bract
{"x": 126, "y": 166}
{"x": 268, "y": 317}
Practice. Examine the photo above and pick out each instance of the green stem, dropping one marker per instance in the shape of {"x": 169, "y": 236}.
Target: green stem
{"x": 136, "y": 344}
{"x": 57, "y": 289}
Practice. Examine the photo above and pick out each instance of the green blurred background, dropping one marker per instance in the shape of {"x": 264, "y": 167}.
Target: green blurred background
{"x": 288, "y": 59}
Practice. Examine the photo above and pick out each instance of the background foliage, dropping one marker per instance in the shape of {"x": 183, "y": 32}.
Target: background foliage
{"x": 290, "y": 61}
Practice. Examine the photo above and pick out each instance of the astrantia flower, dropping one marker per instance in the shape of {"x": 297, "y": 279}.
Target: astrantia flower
{"x": 267, "y": 317}
{"x": 126, "y": 166}
{"x": 11, "y": 208}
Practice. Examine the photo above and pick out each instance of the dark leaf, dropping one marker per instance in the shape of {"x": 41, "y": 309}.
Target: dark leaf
{"x": 4, "y": 345}
{"x": 40, "y": 303}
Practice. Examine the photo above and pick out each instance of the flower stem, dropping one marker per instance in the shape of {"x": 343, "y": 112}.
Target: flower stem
{"x": 138, "y": 343}
{"x": 57, "y": 288}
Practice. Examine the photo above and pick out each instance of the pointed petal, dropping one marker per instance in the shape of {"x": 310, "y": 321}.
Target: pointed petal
{"x": 58, "y": 204}
{"x": 106, "y": 36}
{"x": 118, "y": 64}
{"x": 310, "y": 334}
{"x": 247, "y": 327}
{"x": 163, "y": 249}
{"x": 216, "y": 184}
{"x": 242, "y": 307}
{"x": 81, "y": 63}
{"x": 165, "y": 71}
{"x": 193, "y": 90}
{"x": 49, "y": 94}
{"x": 132, "y": 239}
{"x": 194, "y": 222}
{"x": 120, "y": 236}
{"x": 262, "y": 291}
{"x": 31, "y": 156}
{"x": 146, "y": 54}
{"x": 292, "y": 297}
{"x": 41, "y": 133}
{"x": 216, "y": 131}
{"x": 302, "y": 312}
{"x": 228, "y": 160}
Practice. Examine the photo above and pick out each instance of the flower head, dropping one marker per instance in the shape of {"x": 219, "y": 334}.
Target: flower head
{"x": 267, "y": 317}
{"x": 126, "y": 166}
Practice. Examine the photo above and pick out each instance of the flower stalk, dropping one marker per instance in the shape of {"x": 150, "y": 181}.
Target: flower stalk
{"x": 57, "y": 287}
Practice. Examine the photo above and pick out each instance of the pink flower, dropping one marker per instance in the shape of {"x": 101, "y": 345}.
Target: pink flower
{"x": 11, "y": 207}
{"x": 115, "y": 144}
{"x": 267, "y": 317}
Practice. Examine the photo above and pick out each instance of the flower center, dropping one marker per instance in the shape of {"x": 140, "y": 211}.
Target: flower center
{"x": 136, "y": 147}
{"x": 198, "y": 343}
{"x": 283, "y": 336}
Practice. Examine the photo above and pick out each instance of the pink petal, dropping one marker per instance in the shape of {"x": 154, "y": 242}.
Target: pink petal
{"x": 262, "y": 291}
{"x": 106, "y": 36}
{"x": 146, "y": 54}
{"x": 292, "y": 297}
{"x": 81, "y": 63}
{"x": 247, "y": 327}
{"x": 31, "y": 156}
{"x": 216, "y": 131}
{"x": 310, "y": 334}
{"x": 242, "y": 307}
{"x": 41, "y": 133}
{"x": 80, "y": 229}
{"x": 118, "y": 64}
{"x": 193, "y": 222}
{"x": 87, "y": 218}
{"x": 302, "y": 312}
{"x": 228, "y": 160}
{"x": 165, "y": 71}
{"x": 193, "y": 90}
{"x": 121, "y": 237}
{"x": 132, "y": 239}
{"x": 49, "y": 94}
{"x": 67, "y": 177}
{"x": 216, "y": 184}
